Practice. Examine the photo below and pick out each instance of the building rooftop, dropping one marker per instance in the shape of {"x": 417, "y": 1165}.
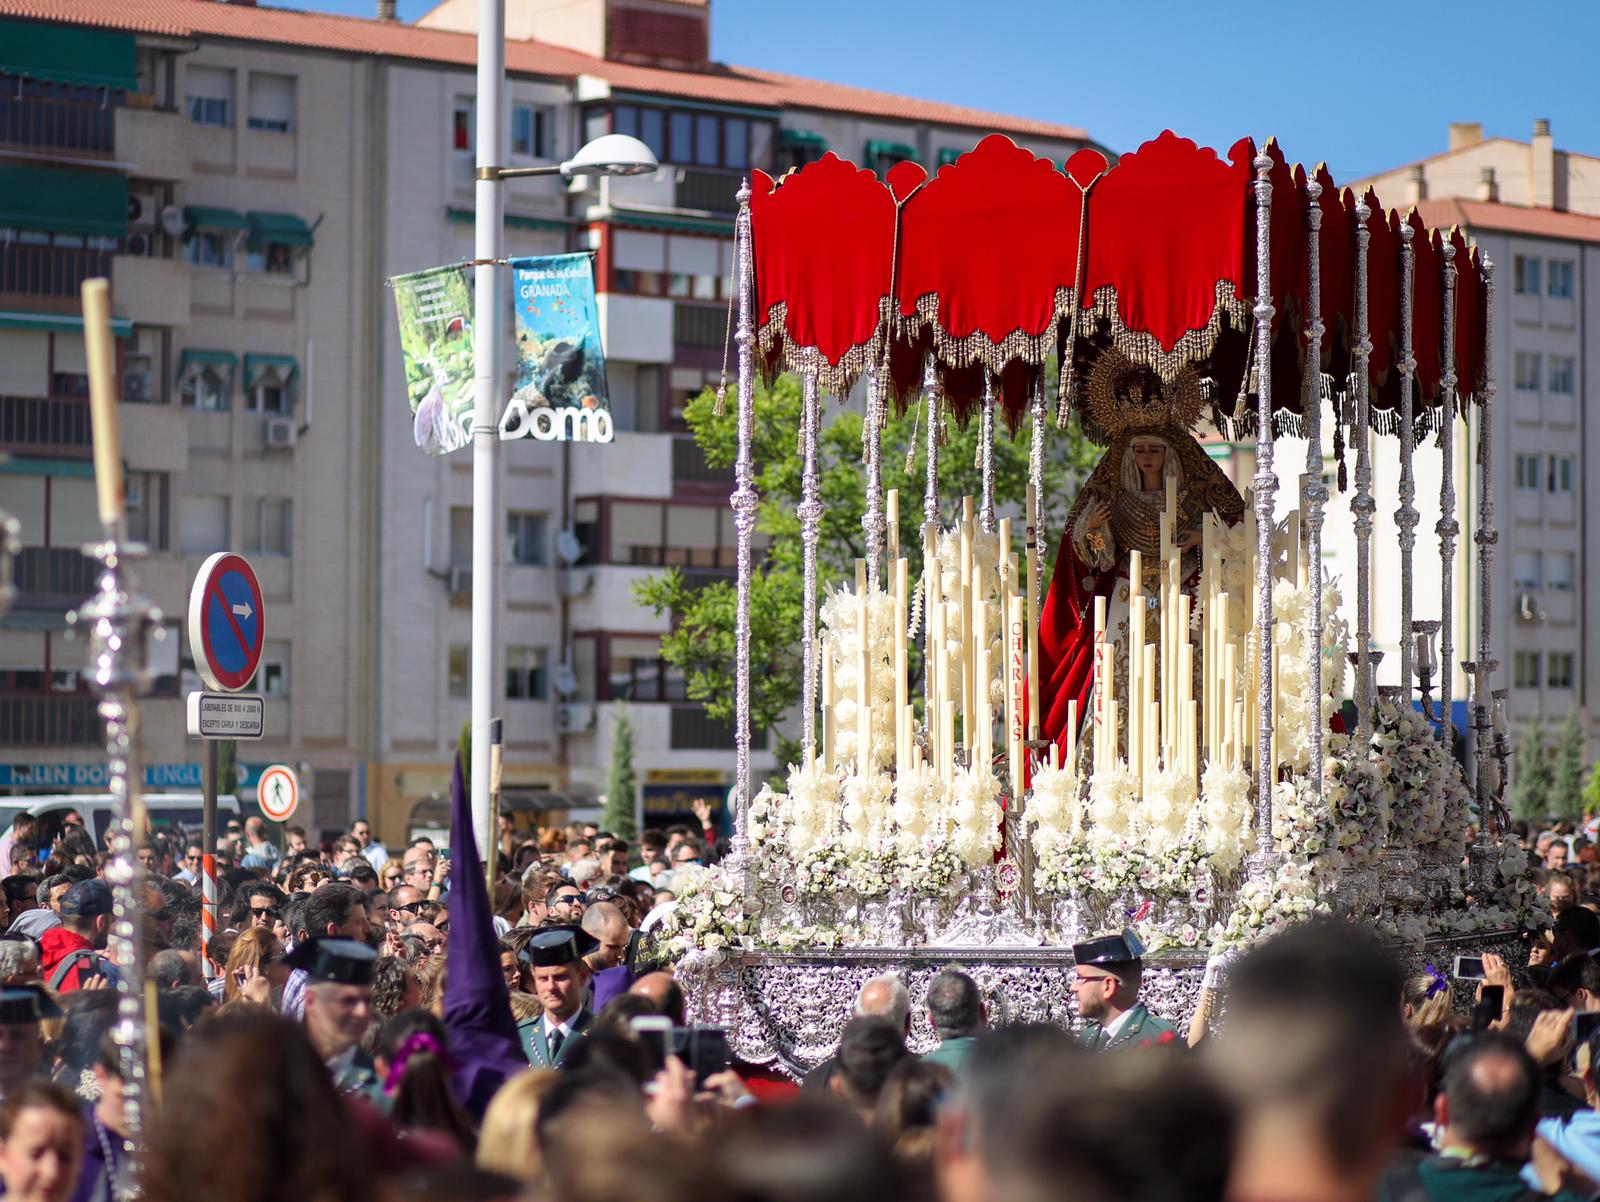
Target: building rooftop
{"x": 359, "y": 35}
{"x": 1511, "y": 219}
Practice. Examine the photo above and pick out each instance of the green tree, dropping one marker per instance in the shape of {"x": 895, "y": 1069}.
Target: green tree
{"x": 620, "y": 780}
{"x": 701, "y": 644}
{"x": 227, "y": 768}
{"x": 1566, "y": 795}
{"x": 1591, "y": 792}
{"x": 1534, "y": 777}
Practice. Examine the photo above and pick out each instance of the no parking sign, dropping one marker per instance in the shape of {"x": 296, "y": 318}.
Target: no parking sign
{"x": 227, "y": 629}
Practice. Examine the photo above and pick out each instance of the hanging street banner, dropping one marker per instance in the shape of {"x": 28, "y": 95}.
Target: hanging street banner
{"x": 435, "y": 309}
{"x": 561, "y": 393}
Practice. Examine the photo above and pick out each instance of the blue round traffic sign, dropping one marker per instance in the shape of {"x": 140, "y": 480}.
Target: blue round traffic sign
{"x": 227, "y": 628}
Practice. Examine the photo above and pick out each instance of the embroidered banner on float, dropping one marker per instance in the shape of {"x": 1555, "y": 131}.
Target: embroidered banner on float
{"x": 435, "y": 311}
{"x": 561, "y": 390}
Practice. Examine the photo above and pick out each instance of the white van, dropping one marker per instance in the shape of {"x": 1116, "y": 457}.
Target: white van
{"x": 167, "y": 810}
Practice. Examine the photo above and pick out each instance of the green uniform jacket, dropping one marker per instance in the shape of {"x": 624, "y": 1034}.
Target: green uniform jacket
{"x": 1140, "y": 1028}
{"x": 535, "y": 1047}
{"x": 361, "y": 1076}
{"x": 953, "y": 1052}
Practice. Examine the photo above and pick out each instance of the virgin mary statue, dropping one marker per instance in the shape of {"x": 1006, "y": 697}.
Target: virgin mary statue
{"x": 1119, "y": 510}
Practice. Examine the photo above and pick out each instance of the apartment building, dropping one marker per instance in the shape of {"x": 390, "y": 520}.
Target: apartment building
{"x": 295, "y": 161}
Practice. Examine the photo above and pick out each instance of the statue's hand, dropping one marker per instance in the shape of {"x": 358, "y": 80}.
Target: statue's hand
{"x": 1187, "y": 540}
{"x": 1098, "y": 516}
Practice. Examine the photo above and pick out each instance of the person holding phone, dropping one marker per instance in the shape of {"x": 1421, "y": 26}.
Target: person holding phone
{"x": 555, "y": 973}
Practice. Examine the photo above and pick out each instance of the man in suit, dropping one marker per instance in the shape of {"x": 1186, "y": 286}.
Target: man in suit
{"x": 554, "y": 971}
{"x": 338, "y": 1007}
{"x": 1105, "y": 980}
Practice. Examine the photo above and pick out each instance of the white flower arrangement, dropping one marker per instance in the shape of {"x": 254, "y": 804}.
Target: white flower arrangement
{"x": 866, "y": 813}
{"x": 1164, "y": 811}
{"x": 1291, "y": 605}
{"x": 811, "y": 817}
{"x": 1226, "y": 814}
{"x": 975, "y": 815}
{"x": 1263, "y": 908}
{"x": 841, "y": 641}
{"x": 709, "y": 915}
{"x": 1113, "y": 794}
{"x": 920, "y": 810}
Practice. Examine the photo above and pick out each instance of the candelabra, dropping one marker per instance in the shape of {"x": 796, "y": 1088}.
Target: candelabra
{"x": 1425, "y": 662}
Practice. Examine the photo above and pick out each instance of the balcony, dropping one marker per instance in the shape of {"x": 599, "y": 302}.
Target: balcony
{"x": 692, "y": 730}
{"x": 689, "y": 467}
{"x": 158, "y": 142}
{"x": 76, "y": 129}
{"x": 35, "y": 721}
{"x": 151, "y": 291}
{"x": 708, "y": 191}
{"x": 49, "y": 277}
{"x": 704, "y": 326}
{"x": 53, "y": 577}
{"x": 58, "y": 426}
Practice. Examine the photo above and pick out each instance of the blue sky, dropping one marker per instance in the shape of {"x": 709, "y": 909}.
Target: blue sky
{"x": 1362, "y": 84}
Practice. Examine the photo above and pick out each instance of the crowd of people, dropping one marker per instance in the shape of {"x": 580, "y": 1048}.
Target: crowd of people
{"x": 327, "y": 1057}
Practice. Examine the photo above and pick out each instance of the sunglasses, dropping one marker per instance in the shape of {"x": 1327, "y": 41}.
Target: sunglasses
{"x": 568, "y": 899}
{"x": 411, "y": 907}
{"x": 267, "y": 912}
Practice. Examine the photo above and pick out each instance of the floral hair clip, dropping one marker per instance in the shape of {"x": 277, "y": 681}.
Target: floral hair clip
{"x": 1437, "y": 983}
{"x": 419, "y": 1041}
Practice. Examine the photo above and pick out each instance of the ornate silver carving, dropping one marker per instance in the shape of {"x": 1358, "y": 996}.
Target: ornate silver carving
{"x": 1266, "y": 491}
{"x": 121, "y": 625}
{"x": 1362, "y": 504}
{"x": 934, "y": 393}
{"x": 1313, "y": 493}
{"x": 1406, "y": 517}
{"x": 873, "y": 523}
{"x": 743, "y": 502}
{"x": 1448, "y": 528}
{"x": 1485, "y": 537}
{"x": 809, "y": 512}
{"x": 986, "y": 519}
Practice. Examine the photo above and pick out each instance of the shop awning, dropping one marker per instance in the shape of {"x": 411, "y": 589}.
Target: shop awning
{"x": 203, "y": 217}
{"x": 634, "y": 220}
{"x": 802, "y": 137}
{"x": 194, "y": 359}
{"x": 99, "y": 58}
{"x": 284, "y": 228}
{"x": 287, "y": 367}
{"x": 63, "y": 202}
{"x": 898, "y": 151}
{"x": 946, "y": 157}
{"x": 60, "y": 323}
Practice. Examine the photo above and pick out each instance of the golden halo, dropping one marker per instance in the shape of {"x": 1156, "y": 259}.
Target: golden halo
{"x": 1121, "y": 395}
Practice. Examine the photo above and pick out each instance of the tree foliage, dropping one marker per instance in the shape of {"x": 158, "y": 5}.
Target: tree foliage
{"x": 621, "y": 783}
{"x": 1534, "y": 779}
{"x": 1566, "y": 794}
{"x": 701, "y": 643}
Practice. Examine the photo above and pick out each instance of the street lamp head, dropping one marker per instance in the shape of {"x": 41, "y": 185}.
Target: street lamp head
{"x": 611, "y": 154}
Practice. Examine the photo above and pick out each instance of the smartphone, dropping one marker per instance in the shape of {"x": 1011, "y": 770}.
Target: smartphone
{"x": 1584, "y": 1024}
{"x": 704, "y": 1049}
{"x": 654, "y": 1031}
{"x": 1468, "y": 968}
{"x": 1493, "y": 999}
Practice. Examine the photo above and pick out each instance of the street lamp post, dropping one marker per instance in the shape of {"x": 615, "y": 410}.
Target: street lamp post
{"x": 612, "y": 154}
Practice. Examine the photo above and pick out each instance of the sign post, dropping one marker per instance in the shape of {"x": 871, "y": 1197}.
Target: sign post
{"x": 227, "y": 631}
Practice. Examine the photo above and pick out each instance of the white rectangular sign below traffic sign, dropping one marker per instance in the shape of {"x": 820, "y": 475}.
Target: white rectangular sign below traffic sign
{"x": 227, "y": 715}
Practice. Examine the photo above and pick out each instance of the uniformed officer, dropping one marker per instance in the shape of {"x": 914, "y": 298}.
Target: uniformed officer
{"x": 338, "y": 1007}
{"x": 22, "y": 1007}
{"x": 1105, "y": 980}
{"x": 553, "y": 970}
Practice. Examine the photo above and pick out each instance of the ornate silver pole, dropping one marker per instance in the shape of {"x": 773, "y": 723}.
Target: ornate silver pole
{"x": 1362, "y": 504}
{"x": 1448, "y": 528}
{"x": 810, "y": 514}
{"x": 933, "y": 391}
{"x": 1313, "y": 493}
{"x": 1036, "y": 487}
{"x": 743, "y": 503}
{"x": 1486, "y": 537}
{"x": 986, "y": 518}
{"x": 1406, "y": 517}
{"x": 120, "y": 625}
{"x": 1266, "y": 491}
{"x": 873, "y": 523}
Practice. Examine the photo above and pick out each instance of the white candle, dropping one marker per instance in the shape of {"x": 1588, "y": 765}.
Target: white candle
{"x": 902, "y": 602}
{"x": 101, "y": 351}
{"x": 1016, "y": 692}
{"x": 827, "y": 704}
{"x": 863, "y": 674}
{"x": 891, "y": 513}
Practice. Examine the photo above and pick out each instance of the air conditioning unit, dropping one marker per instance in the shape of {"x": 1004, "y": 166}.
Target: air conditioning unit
{"x": 460, "y": 580}
{"x": 570, "y": 583}
{"x": 136, "y": 208}
{"x": 574, "y": 717}
{"x": 137, "y": 244}
{"x": 136, "y": 386}
{"x": 281, "y": 432}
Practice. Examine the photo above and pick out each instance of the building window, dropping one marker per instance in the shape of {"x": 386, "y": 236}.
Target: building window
{"x": 1562, "y": 470}
{"x": 458, "y": 671}
{"x": 881, "y": 156}
{"x": 1563, "y": 375}
{"x": 697, "y": 139}
{"x": 532, "y": 130}
{"x": 948, "y": 156}
{"x": 684, "y": 266}
{"x": 1526, "y": 670}
{"x": 1528, "y": 473}
{"x": 147, "y": 509}
{"x": 275, "y": 258}
{"x": 460, "y": 536}
{"x": 1527, "y": 273}
{"x": 461, "y": 124}
{"x": 207, "y": 386}
{"x": 210, "y": 248}
{"x": 1528, "y": 571}
{"x": 525, "y": 538}
{"x": 267, "y": 525}
{"x": 274, "y": 678}
{"x": 271, "y": 103}
{"x": 1561, "y": 571}
{"x": 1560, "y": 670}
{"x": 202, "y": 524}
{"x": 210, "y": 96}
{"x": 527, "y": 674}
{"x": 800, "y": 148}
{"x": 638, "y": 673}
{"x": 1561, "y": 278}
{"x": 269, "y": 388}
{"x": 1528, "y": 370}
